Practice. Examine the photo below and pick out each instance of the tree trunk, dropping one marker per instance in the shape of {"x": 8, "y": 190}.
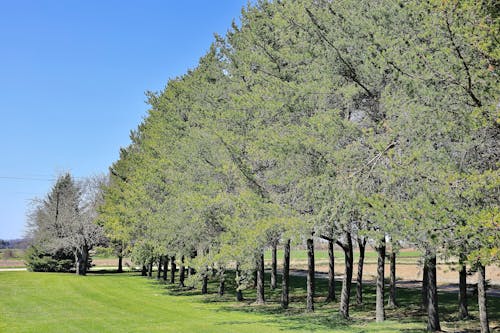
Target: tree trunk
{"x": 331, "y": 272}
{"x": 193, "y": 255}
{"x": 463, "y": 311}
{"x": 260, "y": 279}
{"x": 204, "y": 285}
{"x": 346, "y": 284}
{"x": 150, "y": 268}
{"x": 222, "y": 281}
{"x": 425, "y": 286}
{"x": 239, "y": 293}
{"x": 77, "y": 262}
{"x": 285, "y": 283}
{"x": 274, "y": 265}
{"x": 481, "y": 298}
{"x": 158, "y": 275}
{"x": 182, "y": 273}
{"x": 165, "y": 268}
{"x": 392, "y": 287}
{"x": 120, "y": 264}
{"x": 379, "y": 303}
{"x": 82, "y": 257}
{"x": 432, "y": 306}
{"x": 359, "y": 278}
{"x": 173, "y": 268}
{"x": 310, "y": 275}
{"x": 144, "y": 271}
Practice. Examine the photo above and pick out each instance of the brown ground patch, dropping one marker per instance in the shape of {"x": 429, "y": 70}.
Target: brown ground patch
{"x": 104, "y": 262}
{"x": 409, "y": 272}
{"x": 111, "y": 262}
{"x": 12, "y": 263}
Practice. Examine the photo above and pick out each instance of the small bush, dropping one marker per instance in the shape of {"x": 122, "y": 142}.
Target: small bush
{"x": 39, "y": 261}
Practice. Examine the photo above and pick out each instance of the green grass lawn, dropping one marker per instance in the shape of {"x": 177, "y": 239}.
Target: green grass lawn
{"x": 107, "y": 302}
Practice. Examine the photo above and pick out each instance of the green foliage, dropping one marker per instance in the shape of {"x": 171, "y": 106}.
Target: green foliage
{"x": 376, "y": 120}
{"x": 39, "y": 261}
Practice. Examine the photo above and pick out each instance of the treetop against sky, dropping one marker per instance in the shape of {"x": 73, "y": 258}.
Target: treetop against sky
{"x": 73, "y": 77}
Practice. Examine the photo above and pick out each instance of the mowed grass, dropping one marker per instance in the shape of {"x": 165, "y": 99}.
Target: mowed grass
{"x": 107, "y": 302}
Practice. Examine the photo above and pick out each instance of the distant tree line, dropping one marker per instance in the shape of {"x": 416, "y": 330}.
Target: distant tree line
{"x": 20, "y": 243}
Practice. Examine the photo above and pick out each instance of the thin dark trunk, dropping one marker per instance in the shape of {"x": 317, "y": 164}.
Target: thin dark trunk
{"x": 425, "y": 286}
{"x": 191, "y": 270}
{"x": 172, "y": 269}
{"x": 331, "y": 272}
{"x": 204, "y": 285}
{"x": 182, "y": 273}
{"x": 463, "y": 311}
{"x": 432, "y": 306}
{"x": 222, "y": 281}
{"x": 260, "y": 280}
{"x": 359, "y": 278}
{"x": 255, "y": 278}
{"x": 310, "y": 275}
{"x": 158, "y": 276}
{"x": 379, "y": 303}
{"x": 165, "y": 268}
{"x": 285, "y": 283}
{"x": 392, "y": 283}
{"x": 150, "y": 268}
{"x": 144, "y": 271}
{"x": 346, "y": 284}
{"x": 481, "y": 298}
{"x": 239, "y": 293}
{"x": 120, "y": 264}
{"x": 274, "y": 265}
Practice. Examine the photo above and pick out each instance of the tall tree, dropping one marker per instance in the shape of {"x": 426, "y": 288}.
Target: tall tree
{"x": 64, "y": 220}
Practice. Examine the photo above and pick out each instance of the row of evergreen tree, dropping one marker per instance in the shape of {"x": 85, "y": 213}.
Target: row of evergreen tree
{"x": 354, "y": 121}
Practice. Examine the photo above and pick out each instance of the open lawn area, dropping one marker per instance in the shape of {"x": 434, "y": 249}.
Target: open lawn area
{"x": 107, "y": 302}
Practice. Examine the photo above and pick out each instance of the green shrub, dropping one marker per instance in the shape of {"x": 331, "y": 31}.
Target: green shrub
{"x": 40, "y": 261}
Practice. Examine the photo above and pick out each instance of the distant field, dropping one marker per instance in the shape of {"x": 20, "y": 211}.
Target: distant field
{"x": 15, "y": 258}
{"x": 53, "y": 302}
{"x": 408, "y": 263}
{"x": 370, "y": 255}
{"x": 11, "y": 258}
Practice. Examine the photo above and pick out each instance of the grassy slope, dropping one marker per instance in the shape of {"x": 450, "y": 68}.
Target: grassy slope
{"x": 45, "y": 302}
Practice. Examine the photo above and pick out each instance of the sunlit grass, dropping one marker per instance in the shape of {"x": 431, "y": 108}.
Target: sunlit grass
{"x": 106, "y": 302}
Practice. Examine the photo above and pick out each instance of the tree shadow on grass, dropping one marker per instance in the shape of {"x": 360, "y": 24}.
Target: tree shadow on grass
{"x": 326, "y": 316}
{"x": 113, "y": 272}
{"x": 292, "y": 319}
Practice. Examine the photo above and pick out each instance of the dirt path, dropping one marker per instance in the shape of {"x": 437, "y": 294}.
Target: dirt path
{"x": 446, "y": 274}
{"x": 12, "y": 269}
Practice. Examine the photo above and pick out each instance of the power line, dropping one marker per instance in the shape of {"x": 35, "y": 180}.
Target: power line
{"x": 26, "y": 178}
{"x": 34, "y": 178}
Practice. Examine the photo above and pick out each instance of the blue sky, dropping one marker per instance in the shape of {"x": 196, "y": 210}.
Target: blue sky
{"x": 72, "y": 81}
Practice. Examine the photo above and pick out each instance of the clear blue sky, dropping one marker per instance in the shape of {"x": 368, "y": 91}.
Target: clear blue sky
{"x": 72, "y": 81}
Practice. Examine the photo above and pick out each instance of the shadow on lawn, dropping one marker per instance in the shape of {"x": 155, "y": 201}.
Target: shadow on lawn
{"x": 326, "y": 315}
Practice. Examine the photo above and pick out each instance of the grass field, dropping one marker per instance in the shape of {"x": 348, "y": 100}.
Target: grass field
{"x": 107, "y": 302}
